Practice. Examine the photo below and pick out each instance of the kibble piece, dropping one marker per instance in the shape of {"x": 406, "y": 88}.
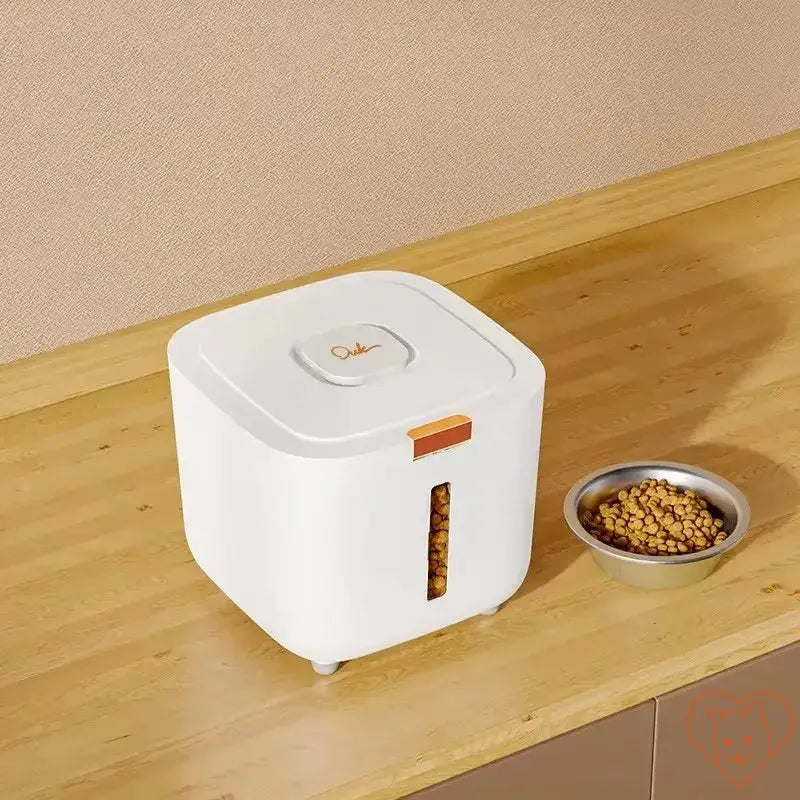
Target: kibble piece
{"x": 718, "y": 523}
{"x": 623, "y": 495}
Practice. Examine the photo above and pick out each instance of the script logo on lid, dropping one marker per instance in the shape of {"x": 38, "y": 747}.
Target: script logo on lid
{"x": 342, "y": 352}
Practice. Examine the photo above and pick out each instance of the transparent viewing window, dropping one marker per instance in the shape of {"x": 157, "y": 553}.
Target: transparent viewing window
{"x": 438, "y": 540}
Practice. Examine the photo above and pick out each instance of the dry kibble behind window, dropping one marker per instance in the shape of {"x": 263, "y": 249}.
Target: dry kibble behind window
{"x": 438, "y": 540}
{"x": 656, "y": 518}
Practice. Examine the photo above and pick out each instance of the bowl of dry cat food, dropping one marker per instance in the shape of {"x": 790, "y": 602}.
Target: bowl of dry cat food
{"x": 657, "y": 524}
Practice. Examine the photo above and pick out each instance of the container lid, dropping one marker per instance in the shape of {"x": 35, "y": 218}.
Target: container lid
{"x": 351, "y": 357}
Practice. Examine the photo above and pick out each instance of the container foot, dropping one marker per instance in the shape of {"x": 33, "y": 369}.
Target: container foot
{"x": 490, "y": 611}
{"x": 325, "y": 669}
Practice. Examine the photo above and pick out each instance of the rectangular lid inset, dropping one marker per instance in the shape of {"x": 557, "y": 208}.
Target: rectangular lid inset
{"x": 354, "y": 355}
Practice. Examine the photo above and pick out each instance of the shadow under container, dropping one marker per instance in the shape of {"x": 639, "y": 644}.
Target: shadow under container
{"x": 357, "y": 460}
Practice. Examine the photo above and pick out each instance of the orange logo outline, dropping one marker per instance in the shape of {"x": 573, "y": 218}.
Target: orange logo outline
{"x": 736, "y": 704}
{"x": 358, "y": 350}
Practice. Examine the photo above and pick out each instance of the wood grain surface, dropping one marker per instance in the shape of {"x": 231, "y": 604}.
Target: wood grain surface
{"x": 126, "y": 675}
{"x": 132, "y": 353}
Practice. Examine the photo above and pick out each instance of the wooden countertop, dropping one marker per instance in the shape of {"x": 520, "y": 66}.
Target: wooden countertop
{"x": 127, "y": 675}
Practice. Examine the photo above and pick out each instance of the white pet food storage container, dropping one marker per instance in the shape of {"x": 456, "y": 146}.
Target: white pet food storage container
{"x": 357, "y": 460}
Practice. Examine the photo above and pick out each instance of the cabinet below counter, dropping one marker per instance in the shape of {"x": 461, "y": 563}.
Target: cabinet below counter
{"x": 608, "y": 758}
{"x": 734, "y": 730}
{"x": 732, "y": 734}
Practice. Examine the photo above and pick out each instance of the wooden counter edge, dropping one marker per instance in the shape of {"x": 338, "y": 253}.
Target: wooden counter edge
{"x": 134, "y": 352}
{"x": 529, "y": 728}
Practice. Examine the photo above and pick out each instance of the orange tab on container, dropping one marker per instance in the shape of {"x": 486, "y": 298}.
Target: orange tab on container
{"x": 448, "y": 432}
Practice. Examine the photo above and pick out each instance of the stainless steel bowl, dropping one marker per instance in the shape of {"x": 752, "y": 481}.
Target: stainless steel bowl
{"x": 657, "y": 572}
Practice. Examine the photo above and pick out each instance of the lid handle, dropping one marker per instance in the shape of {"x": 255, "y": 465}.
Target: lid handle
{"x": 433, "y": 437}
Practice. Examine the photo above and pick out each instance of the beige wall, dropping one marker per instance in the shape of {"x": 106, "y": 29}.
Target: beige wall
{"x": 156, "y": 155}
